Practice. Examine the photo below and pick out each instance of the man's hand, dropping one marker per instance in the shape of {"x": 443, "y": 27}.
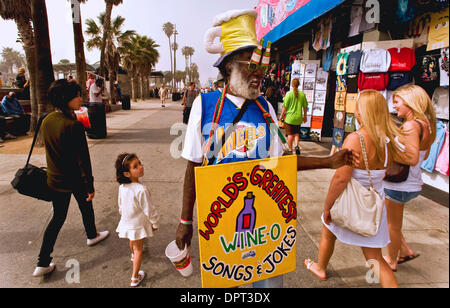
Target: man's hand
{"x": 184, "y": 236}
{"x": 327, "y": 218}
{"x": 344, "y": 157}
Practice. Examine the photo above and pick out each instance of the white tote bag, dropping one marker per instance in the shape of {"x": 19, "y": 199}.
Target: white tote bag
{"x": 359, "y": 209}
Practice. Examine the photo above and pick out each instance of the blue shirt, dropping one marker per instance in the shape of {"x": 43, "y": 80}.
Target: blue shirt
{"x": 11, "y": 106}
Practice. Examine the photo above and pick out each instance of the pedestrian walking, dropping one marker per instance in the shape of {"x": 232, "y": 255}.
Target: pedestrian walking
{"x": 139, "y": 217}
{"x": 69, "y": 170}
{"x": 377, "y": 131}
{"x": 163, "y": 95}
{"x": 293, "y": 114}
{"x": 188, "y": 99}
{"x": 241, "y": 94}
{"x": 414, "y": 105}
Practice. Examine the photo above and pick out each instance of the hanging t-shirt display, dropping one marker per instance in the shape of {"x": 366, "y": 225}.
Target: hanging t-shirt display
{"x": 441, "y": 103}
{"x": 341, "y": 67}
{"x": 356, "y": 17}
{"x": 352, "y": 84}
{"x": 405, "y": 11}
{"x": 339, "y": 119}
{"x": 350, "y": 102}
{"x": 399, "y": 79}
{"x": 375, "y": 61}
{"x": 354, "y": 60}
{"x": 341, "y": 83}
{"x": 321, "y": 80}
{"x": 426, "y": 72}
{"x": 338, "y": 137}
{"x": 305, "y": 133}
{"x": 438, "y": 36}
{"x": 402, "y": 59}
{"x": 374, "y": 81}
{"x": 350, "y": 123}
{"x": 443, "y": 66}
{"x": 339, "y": 102}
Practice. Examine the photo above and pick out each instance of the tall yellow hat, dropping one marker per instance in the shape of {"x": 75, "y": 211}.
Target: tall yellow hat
{"x": 236, "y": 31}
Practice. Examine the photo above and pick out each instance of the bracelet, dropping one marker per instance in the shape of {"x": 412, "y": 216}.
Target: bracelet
{"x": 185, "y": 222}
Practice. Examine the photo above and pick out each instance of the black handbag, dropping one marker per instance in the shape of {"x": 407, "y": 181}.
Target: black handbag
{"x": 31, "y": 181}
{"x": 398, "y": 172}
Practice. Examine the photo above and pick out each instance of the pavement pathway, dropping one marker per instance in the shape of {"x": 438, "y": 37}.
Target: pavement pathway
{"x": 146, "y": 130}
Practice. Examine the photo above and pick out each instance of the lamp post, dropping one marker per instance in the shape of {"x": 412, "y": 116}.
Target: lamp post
{"x": 175, "y": 33}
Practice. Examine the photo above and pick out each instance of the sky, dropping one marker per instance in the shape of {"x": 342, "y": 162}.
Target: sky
{"x": 191, "y": 17}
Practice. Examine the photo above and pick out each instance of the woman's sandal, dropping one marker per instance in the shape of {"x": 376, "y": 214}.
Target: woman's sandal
{"x": 308, "y": 266}
{"x": 137, "y": 281}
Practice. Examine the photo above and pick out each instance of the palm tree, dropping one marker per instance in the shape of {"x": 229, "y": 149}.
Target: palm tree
{"x": 106, "y": 27}
{"x": 168, "y": 28}
{"x": 20, "y": 12}
{"x": 115, "y": 39}
{"x": 43, "y": 54}
{"x": 12, "y": 58}
{"x": 188, "y": 52}
{"x": 139, "y": 56}
{"x": 80, "y": 57}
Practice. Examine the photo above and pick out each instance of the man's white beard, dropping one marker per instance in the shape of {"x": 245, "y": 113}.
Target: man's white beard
{"x": 239, "y": 85}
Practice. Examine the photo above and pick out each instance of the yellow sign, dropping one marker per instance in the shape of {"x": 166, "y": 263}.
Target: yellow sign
{"x": 247, "y": 215}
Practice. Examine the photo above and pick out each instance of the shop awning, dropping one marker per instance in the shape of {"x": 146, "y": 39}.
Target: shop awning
{"x": 278, "y": 18}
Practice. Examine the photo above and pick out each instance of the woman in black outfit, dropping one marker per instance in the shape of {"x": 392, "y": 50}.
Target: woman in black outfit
{"x": 69, "y": 169}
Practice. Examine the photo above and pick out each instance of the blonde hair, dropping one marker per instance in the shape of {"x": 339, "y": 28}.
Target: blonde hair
{"x": 418, "y": 100}
{"x": 378, "y": 123}
{"x": 295, "y": 85}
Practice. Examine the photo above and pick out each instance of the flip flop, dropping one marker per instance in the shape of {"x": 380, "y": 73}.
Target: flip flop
{"x": 407, "y": 258}
{"x": 308, "y": 267}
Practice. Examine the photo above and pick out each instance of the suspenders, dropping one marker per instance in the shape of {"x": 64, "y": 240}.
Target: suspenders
{"x": 217, "y": 114}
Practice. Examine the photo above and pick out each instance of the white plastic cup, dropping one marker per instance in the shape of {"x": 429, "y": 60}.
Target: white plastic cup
{"x": 180, "y": 259}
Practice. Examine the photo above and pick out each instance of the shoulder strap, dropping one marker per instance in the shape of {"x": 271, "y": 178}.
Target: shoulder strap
{"x": 366, "y": 161}
{"x": 421, "y": 129}
{"x": 271, "y": 123}
{"x": 36, "y": 133}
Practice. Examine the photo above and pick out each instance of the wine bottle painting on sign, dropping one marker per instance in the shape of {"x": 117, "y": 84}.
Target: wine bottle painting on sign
{"x": 246, "y": 220}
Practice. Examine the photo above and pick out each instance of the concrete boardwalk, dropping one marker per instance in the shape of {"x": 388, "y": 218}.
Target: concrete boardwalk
{"x": 146, "y": 130}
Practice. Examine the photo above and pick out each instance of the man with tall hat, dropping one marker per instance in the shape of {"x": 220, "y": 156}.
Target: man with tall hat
{"x": 241, "y": 67}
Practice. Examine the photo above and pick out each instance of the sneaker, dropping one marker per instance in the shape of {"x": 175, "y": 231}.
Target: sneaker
{"x": 42, "y": 271}
{"x": 8, "y": 136}
{"x": 1, "y": 140}
{"x": 297, "y": 150}
{"x": 100, "y": 237}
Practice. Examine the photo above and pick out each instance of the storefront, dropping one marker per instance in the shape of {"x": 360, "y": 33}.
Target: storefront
{"x": 338, "y": 48}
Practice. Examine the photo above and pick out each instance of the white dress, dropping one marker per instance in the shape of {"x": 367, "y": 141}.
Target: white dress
{"x": 382, "y": 238}
{"x": 138, "y": 213}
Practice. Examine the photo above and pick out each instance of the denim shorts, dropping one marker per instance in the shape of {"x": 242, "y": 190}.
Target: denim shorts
{"x": 400, "y": 197}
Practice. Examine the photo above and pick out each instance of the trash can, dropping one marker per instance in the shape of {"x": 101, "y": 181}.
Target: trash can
{"x": 176, "y": 96}
{"x": 126, "y": 102}
{"x": 97, "y": 118}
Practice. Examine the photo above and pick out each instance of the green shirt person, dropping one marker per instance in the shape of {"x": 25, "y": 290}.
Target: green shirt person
{"x": 294, "y": 114}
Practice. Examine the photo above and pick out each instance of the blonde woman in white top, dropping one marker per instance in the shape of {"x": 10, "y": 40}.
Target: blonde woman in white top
{"x": 139, "y": 217}
{"x": 377, "y": 130}
{"x": 413, "y": 104}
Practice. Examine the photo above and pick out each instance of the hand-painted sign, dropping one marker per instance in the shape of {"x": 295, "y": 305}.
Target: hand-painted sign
{"x": 247, "y": 221}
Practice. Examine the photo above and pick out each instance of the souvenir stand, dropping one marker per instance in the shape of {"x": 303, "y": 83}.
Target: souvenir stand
{"x": 361, "y": 45}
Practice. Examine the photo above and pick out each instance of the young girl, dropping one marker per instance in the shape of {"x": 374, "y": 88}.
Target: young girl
{"x": 139, "y": 216}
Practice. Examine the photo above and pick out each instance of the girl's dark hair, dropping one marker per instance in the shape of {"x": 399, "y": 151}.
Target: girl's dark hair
{"x": 61, "y": 92}
{"x": 123, "y": 165}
